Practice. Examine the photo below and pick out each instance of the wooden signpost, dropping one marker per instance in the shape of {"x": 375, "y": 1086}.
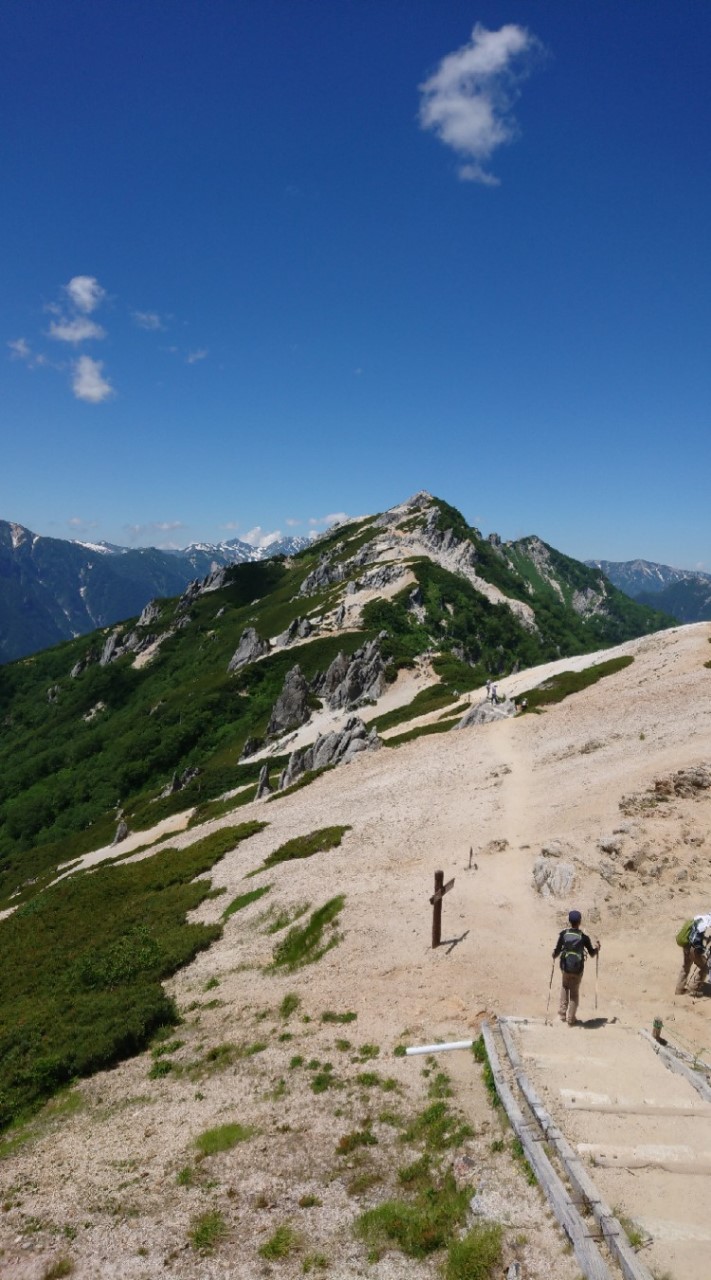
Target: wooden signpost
{"x": 440, "y": 889}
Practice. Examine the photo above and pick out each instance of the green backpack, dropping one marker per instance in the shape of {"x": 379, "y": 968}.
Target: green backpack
{"x": 572, "y": 958}
{"x": 684, "y": 934}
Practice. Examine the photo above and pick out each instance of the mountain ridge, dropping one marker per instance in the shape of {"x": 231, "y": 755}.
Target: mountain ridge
{"x": 685, "y": 593}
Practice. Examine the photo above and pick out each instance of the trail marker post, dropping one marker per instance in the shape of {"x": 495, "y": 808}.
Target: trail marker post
{"x": 440, "y": 889}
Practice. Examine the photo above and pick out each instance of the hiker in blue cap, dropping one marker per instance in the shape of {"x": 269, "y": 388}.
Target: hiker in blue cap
{"x": 571, "y": 947}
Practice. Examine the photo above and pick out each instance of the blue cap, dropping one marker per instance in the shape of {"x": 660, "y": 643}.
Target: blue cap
{"x": 574, "y": 917}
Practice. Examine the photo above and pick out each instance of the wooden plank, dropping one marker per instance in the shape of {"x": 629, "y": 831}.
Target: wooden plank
{"x": 437, "y": 897}
{"x": 586, "y": 1252}
{"x": 669, "y": 1058}
{"x": 613, "y": 1233}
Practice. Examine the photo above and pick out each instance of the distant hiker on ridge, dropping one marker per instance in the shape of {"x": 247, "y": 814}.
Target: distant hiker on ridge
{"x": 571, "y": 947}
{"x": 693, "y": 936}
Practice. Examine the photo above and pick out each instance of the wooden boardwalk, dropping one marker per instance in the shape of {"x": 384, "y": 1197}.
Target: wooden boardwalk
{"x": 640, "y": 1132}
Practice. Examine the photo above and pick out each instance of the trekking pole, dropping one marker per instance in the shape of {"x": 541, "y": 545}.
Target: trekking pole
{"x": 550, "y": 988}
{"x": 597, "y": 966}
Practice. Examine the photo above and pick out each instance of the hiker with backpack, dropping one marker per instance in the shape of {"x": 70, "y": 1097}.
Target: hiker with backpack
{"x": 694, "y": 936}
{"x": 571, "y": 947}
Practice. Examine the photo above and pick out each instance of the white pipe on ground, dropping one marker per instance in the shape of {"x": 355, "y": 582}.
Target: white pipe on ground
{"x": 438, "y": 1048}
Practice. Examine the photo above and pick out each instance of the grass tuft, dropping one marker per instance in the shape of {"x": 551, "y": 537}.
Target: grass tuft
{"x": 223, "y": 1138}
{"x": 476, "y": 1255}
{"x": 207, "y": 1231}
{"x": 283, "y": 1242}
{"x": 304, "y": 944}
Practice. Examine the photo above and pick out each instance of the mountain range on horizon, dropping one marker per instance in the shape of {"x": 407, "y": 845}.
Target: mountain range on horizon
{"x": 54, "y": 589}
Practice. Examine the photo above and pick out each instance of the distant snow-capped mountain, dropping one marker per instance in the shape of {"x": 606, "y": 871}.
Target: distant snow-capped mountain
{"x": 52, "y": 589}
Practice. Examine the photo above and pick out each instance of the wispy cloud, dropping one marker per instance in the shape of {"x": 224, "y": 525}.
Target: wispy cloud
{"x": 193, "y": 356}
{"x": 146, "y": 534}
{"x": 325, "y": 522}
{"x": 88, "y": 382}
{"x": 147, "y": 320}
{"x": 293, "y": 524}
{"x": 468, "y": 100}
{"x": 257, "y": 537}
{"x": 77, "y": 524}
{"x": 20, "y": 349}
{"x": 85, "y": 293}
{"x": 78, "y": 329}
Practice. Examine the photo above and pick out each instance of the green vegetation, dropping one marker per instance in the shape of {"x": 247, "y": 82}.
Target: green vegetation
{"x": 420, "y": 1226}
{"x": 283, "y": 1242}
{"x": 223, "y": 1138}
{"x": 568, "y": 682}
{"x": 244, "y": 900}
{"x": 306, "y": 846}
{"x": 304, "y": 944}
{"x": 83, "y": 965}
{"x": 438, "y": 1127}
{"x": 207, "y": 1231}
{"x": 57, "y": 1270}
{"x": 476, "y": 1256}
{"x": 329, "y": 1016}
{"x": 359, "y": 1138}
{"x": 519, "y": 1155}
{"x": 289, "y": 1005}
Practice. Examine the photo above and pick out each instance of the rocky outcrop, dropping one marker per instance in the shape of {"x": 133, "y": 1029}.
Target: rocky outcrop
{"x": 111, "y": 649}
{"x": 190, "y": 594}
{"x": 180, "y": 780}
{"x": 351, "y": 681}
{"x": 251, "y": 747}
{"x": 324, "y": 575}
{"x": 150, "y": 614}
{"x": 121, "y": 832}
{"x": 250, "y": 647}
{"x": 291, "y": 708}
{"x": 338, "y": 747}
{"x": 263, "y": 786}
{"x": 588, "y": 602}
{"x": 215, "y": 579}
{"x": 552, "y": 878}
{"x": 486, "y": 712}
{"x": 299, "y": 629}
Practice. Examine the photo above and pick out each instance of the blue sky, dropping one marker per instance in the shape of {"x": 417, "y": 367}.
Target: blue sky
{"x": 269, "y": 261}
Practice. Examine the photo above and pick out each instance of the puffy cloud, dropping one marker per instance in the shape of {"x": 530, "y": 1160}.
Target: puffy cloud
{"x": 79, "y": 329}
{"x": 256, "y": 537}
{"x": 468, "y": 100}
{"x": 85, "y": 292}
{"x": 148, "y": 320}
{"x": 88, "y": 382}
{"x": 293, "y": 524}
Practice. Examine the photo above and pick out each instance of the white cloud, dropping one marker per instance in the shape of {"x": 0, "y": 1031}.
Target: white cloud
{"x": 293, "y": 524}
{"x": 468, "y": 100}
{"x": 85, "y": 292}
{"x": 336, "y": 517}
{"x": 144, "y": 534}
{"x": 148, "y": 320}
{"x": 79, "y": 329}
{"x": 193, "y": 356}
{"x": 20, "y": 349}
{"x": 88, "y": 382}
{"x": 256, "y": 537}
{"x": 76, "y": 522}
{"x": 230, "y": 526}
